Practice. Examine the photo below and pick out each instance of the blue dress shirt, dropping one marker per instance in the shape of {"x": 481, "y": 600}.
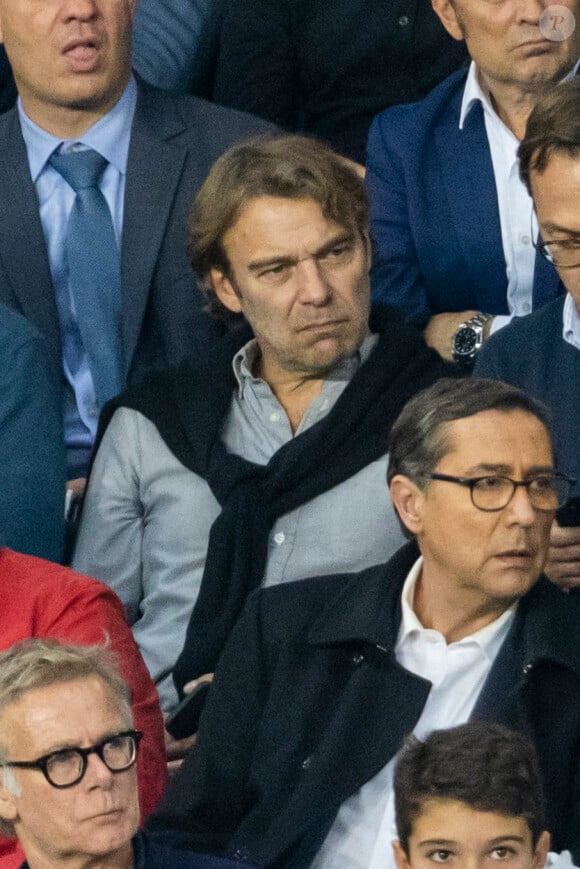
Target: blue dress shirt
{"x": 110, "y": 136}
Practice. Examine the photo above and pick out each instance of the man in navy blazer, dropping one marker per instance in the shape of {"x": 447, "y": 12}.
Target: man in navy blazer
{"x": 322, "y": 679}
{"x": 72, "y": 65}
{"x": 451, "y": 221}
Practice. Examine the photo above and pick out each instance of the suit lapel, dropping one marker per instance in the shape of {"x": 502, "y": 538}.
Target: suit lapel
{"x": 22, "y": 244}
{"x": 468, "y": 177}
{"x": 153, "y": 172}
{"x": 369, "y": 741}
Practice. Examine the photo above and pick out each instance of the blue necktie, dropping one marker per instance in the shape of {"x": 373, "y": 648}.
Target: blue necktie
{"x": 94, "y": 270}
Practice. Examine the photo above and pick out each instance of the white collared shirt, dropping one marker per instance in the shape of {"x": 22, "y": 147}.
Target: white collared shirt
{"x": 514, "y": 201}
{"x": 571, "y": 323}
{"x": 362, "y": 832}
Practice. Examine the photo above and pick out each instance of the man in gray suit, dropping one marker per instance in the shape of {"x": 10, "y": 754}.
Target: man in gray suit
{"x": 72, "y": 65}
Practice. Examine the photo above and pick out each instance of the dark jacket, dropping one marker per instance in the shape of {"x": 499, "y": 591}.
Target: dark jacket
{"x": 325, "y": 67}
{"x": 309, "y": 703}
{"x": 150, "y": 855}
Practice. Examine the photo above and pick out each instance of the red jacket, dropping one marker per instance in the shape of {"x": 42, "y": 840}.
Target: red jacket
{"x": 42, "y": 599}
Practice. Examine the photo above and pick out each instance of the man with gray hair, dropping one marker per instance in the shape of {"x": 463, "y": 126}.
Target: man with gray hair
{"x": 321, "y": 680}
{"x": 68, "y": 748}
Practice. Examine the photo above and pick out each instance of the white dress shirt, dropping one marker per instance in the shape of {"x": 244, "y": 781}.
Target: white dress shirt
{"x": 571, "y": 318}
{"x": 514, "y": 201}
{"x": 362, "y": 832}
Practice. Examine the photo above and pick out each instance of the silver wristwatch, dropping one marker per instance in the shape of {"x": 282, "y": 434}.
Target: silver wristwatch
{"x": 468, "y": 339}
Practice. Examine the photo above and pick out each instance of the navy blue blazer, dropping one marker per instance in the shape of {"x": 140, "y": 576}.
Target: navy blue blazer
{"x": 309, "y": 703}
{"x": 434, "y": 211}
{"x": 175, "y": 139}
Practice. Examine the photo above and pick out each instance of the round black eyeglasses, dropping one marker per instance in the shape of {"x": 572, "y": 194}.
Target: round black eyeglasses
{"x": 66, "y": 767}
{"x": 492, "y": 493}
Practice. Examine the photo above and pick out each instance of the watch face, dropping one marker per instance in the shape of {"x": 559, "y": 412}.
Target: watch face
{"x": 465, "y": 341}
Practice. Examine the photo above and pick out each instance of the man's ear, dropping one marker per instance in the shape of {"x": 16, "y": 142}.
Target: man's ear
{"x": 366, "y": 240}
{"x": 401, "y": 858}
{"x": 541, "y": 850}
{"x": 445, "y": 10}
{"x": 225, "y": 290}
{"x": 407, "y": 499}
{"x": 8, "y": 803}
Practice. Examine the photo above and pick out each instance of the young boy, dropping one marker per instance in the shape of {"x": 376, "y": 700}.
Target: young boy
{"x": 471, "y": 797}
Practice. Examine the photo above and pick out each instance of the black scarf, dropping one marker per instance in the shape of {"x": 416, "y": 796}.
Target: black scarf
{"x": 188, "y": 405}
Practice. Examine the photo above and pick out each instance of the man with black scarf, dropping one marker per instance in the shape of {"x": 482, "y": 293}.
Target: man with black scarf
{"x": 262, "y": 459}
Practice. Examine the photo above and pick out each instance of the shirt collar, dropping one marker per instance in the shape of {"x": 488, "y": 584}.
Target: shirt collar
{"x": 245, "y": 359}
{"x": 571, "y": 321}
{"x": 488, "y": 638}
{"x": 476, "y": 91}
{"x": 110, "y": 136}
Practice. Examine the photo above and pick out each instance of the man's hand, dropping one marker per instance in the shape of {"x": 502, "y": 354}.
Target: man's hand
{"x": 441, "y": 329}
{"x": 77, "y": 486}
{"x": 563, "y": 567}
{"x": 176, "y": 749}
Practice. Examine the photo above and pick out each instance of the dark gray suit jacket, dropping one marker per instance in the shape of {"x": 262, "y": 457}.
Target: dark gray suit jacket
{"x": 174, "y": 141}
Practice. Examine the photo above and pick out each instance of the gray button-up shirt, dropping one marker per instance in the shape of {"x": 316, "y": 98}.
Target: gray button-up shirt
{"x": 147, "y": 518}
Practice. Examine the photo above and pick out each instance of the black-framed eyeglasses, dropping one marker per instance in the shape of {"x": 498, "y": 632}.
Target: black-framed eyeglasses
{"x": 494, "y": 492}
{"x": 563, "y": 253}
{"x": 66, "y": 767}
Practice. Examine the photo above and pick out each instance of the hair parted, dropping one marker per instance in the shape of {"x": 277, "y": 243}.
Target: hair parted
{"x": 420, "y": 436}
{"x": 288, "y": 167}
{"x": 553, "y": 128}
{"x": 484, "y": 765}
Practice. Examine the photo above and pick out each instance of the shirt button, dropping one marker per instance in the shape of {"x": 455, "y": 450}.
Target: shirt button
{"x": 431, "y": 638}
{"x": 525, "y": 239}
{"x": 275, "y": 417}
{"x": 279, "y": 538}
{"x": 403, "y": 20}
{"x": 357, "y": 659}
{"x": 93, "y": 410}
{"x": 527, "y": 669}
{"x": 306, "y": 763}
{"x": 526, "y": 307}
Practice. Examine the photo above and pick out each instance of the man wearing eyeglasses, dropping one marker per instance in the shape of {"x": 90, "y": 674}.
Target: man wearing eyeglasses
{"x": 322, "y": 679}
{"x": 68, "y": 781}
{"x": 541, "y": 353}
